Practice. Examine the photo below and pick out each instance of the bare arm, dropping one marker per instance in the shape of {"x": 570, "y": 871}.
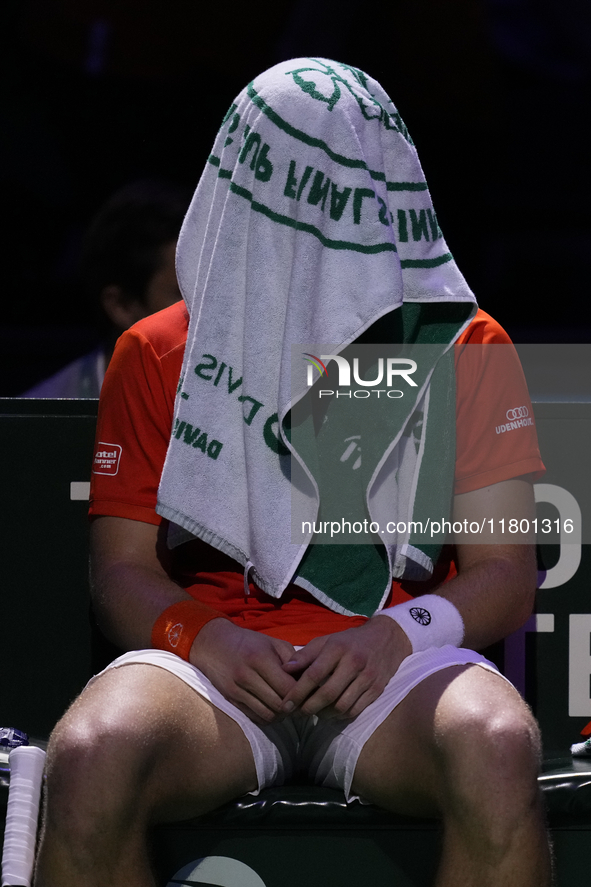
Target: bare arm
{"x": 130, "y": 582}
{"x": 494, "y": 590}
{"x": 131, "y": 586}
{"x": 496, "y": 582}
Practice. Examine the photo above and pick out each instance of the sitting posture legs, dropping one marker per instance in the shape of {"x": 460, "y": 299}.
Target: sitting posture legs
{"x": 137, "y": 747}
{"x": 464, "y": 746}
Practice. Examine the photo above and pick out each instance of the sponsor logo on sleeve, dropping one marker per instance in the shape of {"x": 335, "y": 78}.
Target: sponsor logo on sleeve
{"x": 517, "y": 417}
{"x": 106, "y": 458}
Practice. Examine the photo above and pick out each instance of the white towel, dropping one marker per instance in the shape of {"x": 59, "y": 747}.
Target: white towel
{"x": 311, "y": 220}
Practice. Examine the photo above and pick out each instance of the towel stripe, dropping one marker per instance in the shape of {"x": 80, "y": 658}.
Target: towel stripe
{"x": 405, "y": 186}
{"x": 426, "y": 263}
{"x": 310, "y": 229}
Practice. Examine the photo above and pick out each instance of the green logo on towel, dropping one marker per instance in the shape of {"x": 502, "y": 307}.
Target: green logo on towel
{"x": 325, "y": 86}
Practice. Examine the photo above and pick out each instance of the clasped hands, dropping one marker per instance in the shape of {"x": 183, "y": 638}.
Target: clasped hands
{"x": 335, "y": 675}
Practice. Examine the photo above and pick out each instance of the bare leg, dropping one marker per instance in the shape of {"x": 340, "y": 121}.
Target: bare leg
{"x": 464, "y": 746}
{"x": 137, "y": 747}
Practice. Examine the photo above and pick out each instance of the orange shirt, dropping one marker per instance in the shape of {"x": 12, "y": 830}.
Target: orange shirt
{"x": 133, "y": 432}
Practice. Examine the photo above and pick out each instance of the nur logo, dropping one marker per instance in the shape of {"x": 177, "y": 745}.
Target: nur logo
{"x": 391, "y": 370}
{"x": 314, "y": 361}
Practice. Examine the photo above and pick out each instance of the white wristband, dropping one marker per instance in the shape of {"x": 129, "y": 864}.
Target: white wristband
{"x": 428, "y": 621}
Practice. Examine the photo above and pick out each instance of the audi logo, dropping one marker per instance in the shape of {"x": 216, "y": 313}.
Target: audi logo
{"x": 517, "y": 413}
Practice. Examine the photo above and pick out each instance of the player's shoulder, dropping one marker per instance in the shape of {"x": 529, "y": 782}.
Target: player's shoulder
{"x": 484, "y": 330}
{"x": 166, "y": 330}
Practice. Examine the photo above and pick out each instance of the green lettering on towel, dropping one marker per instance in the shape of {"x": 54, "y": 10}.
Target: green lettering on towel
{"x": 435, "y": 229}
{"x": 289, "y": 190}
{"x": 358, "y": 196}
{"x": 233, "y": 126}
{"x": 253, "y": 138}
{"x": 419, "y": 224}
{"x": 256, "y": 405}
{"x": 213, "y": 450}
{"x": 318, "y": 191}
{"x": 307, "y": 173}
{"x": 206, "y": 366}
{"x": 402, "y": 226}
{"x": 197, "y": 439}
{"x": 201, "y": 443}
{"x": 272, "y": 440}
{"x": 264, "y": 167}
{"x": 232, "y": 386}
{"x": 260, "y": 163}
{"x": 338, "y": 201}
{"x": 191, "y": 435}
{"x": 219, "y": 375}
{"x": 292, "y": 181}
{"x": 229, "y": 112}
{"x": 179, "y": 390}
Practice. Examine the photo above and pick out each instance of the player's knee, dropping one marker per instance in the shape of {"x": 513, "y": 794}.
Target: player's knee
{"x": 489, "y": 743}
{"x": 93, "y": 758}
{"x": 510, "y": 756}
{"x": 491, "y": 762}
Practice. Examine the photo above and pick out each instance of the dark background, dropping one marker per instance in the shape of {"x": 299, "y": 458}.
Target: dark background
{"x": 96, "y": 94}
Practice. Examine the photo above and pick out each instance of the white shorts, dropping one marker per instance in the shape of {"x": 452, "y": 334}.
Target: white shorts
{"x": 326, "y": 750}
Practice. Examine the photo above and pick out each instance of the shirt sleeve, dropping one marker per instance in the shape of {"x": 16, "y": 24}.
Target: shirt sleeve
{"x": 496, "y": 437}
{"x": 133, "y": 431}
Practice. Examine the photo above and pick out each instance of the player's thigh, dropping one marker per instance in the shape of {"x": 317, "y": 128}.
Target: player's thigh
{"x": 142, "y": 733}
{"x": 459, "y": 728}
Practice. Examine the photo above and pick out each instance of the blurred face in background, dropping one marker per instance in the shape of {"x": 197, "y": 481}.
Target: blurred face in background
{"x": 163, "y": 289}
{"x": 161, "y": 292}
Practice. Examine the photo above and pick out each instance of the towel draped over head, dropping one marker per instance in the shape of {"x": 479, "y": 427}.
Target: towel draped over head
{"x": 312, "y": 220}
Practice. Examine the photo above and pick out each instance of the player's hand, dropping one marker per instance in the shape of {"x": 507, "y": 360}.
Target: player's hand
{"x": 247, "y": 667}
{"x": 341, "y": 674}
